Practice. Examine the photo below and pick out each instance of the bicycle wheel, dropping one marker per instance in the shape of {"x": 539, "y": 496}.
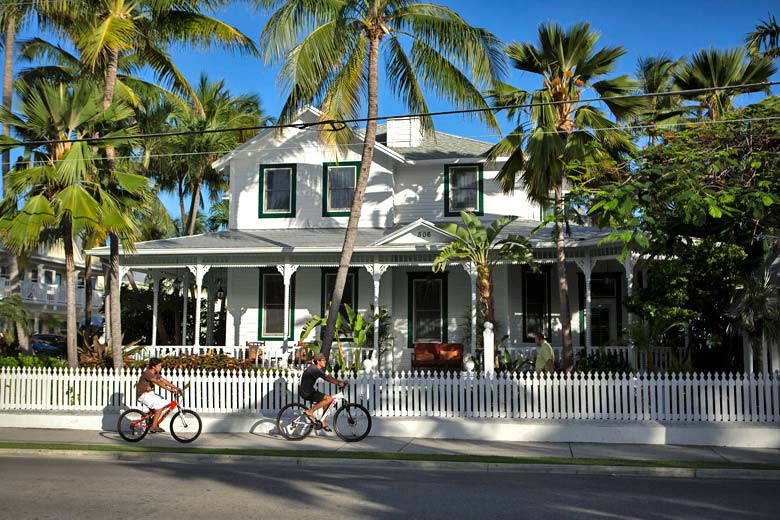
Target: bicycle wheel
{"x": 293, "y": 423}
{"x": 352, "y": 422}
{"x": 186, "y": 426}
{"x": 132, "y": 425}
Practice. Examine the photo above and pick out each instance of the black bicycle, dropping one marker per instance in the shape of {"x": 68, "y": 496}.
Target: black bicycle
{"x": 351, "y": 422}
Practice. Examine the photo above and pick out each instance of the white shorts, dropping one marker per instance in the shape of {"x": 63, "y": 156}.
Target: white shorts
{"x": 153, "y": 401}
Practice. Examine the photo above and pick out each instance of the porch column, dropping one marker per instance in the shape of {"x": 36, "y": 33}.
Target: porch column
{"x": 586, "y": 266}
{"x": 211, "y": 288}
{"x": 185, "y": 286}
{"x": 629, "y": 264}
{"x": 287, "y": 271}
{"x": 199, "y": 271}
{"x": 471, "y": 269}
{"x": 155, "y": 305}
{"x": 376, "y": 271}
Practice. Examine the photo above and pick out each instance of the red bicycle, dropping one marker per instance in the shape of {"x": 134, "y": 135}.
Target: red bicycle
{"x": 185, "y": 425}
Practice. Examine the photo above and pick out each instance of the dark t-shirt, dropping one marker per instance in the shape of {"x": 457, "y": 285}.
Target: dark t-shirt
{"x": 146, "y": 384}
{"x": 309, "y": 377}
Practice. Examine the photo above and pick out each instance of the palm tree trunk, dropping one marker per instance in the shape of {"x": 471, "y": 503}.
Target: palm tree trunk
{"x": 8, "y": 96}
{"x": 563, "y": 284}
{"x": 194, "y": 206}
{"x": 181, "y": 206}
{"x": 360, "y": 188}
{"x": 116, "y": 308}
{"x": 88, "y": 293}
{"x": 70, "y": 291}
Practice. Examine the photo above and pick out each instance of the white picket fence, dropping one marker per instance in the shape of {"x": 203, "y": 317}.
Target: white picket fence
{"x": 683, "y": 397}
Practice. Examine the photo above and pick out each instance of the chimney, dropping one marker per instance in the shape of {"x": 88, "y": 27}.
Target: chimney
{"x": 404, "y": 132}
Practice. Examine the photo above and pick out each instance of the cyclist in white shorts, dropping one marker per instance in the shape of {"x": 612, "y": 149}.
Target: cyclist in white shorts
{"x": 144, "y": 392}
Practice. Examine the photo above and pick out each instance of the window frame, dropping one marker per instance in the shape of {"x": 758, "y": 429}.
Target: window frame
{"x": 448, "y": 170}
{"x": 325, "y": 272}
{"x": 326, "y": 211}
{"x": 547, "y": 304}
{"x": 411, "y": 279}
{"x": 262, "y": 212}
{"x": 268, "y": 271}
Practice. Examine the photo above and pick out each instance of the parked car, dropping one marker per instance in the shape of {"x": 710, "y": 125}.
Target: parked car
{"x": 49, "y": 344}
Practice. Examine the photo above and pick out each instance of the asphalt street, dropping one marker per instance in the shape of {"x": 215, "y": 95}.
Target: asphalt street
{"x": 56, "y": 487}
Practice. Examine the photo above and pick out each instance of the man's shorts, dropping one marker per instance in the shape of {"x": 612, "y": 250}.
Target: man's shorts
{"x": 315, "y": 397}
{"x": 153, "y": 401}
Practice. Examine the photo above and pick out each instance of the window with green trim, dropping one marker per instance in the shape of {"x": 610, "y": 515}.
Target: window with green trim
{"x": 349, "y": 297}
{"x": 271, "y": 322}
{"x": 339, "y": 181}
{"x": 427, "y": 308}
{"x": 536, "y": 303}
{"x": 463, "y": 189}
{"x": 277, "y": 191}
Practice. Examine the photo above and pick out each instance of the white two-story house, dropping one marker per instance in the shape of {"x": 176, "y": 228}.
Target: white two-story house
{"x": 290, "y": 195}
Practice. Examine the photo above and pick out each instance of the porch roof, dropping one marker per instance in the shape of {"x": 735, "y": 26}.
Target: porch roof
{"x": 328, "y": 241}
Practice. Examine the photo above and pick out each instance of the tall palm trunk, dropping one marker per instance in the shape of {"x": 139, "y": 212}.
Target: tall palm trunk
{"x": 70, "y": 291}
{"x": 194, "y": 205}
{"x": 113, "y": 274}
{"x": 88, "y": 293}
{"x": 8, "y": 96}
{"x": 360, "y": 188}
{"x": 181, "y": 206}
{"x": 563, "y": 284}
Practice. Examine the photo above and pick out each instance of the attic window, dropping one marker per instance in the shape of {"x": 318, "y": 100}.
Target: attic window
{"x": 463, "y": 189}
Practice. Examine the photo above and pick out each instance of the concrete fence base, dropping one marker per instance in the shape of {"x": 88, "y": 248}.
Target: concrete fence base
{"x": 742, "y": 435}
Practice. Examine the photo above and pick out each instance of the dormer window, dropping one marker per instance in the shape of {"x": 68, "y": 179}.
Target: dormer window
{"x": 463, "y": 189}
{"x": 339, "y": 180}
{"x": 277, "y": 191}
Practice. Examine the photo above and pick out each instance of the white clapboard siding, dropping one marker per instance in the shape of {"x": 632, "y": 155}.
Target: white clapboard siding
{"x": 716, "y": 398}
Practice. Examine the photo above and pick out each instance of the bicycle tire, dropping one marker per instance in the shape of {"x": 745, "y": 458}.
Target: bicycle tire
{"x": 292, "y": 422}
{"x": 186, "y": 426}
{"x": 352, "y": 422}
{"x": 127, "y": 431}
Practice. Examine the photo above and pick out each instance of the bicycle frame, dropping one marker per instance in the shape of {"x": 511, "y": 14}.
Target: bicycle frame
{"x": 167, "y": 409}
{"x": 339, "y": 399}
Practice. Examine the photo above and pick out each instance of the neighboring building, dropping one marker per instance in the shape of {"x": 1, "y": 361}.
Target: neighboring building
{"x": 290, "y": 198}
{"x": 43, "y": 289}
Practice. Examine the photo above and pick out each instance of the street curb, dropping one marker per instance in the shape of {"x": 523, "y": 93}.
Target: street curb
{"x": 492, "y": 467}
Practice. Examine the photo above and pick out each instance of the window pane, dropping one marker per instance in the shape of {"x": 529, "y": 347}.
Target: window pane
{"x": 273, "y": 305}
{"x": 341, "y": 198}
{"x": 277, "y": 189}
{"x": 535, "y": 304}
{"x": 341, "y": 177}
{"x": 277, "y": 200}
{"x": 463, "y": 199}
{"x": 277, "y": 179}
{"x": 464, "y": 188}
{"x": 427, "y": 319}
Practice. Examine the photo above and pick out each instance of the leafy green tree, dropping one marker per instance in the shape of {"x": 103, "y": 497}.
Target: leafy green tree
{"x": 330, "y": 51}
{"x": 562, "y": 130}
{"x": 712, "y": 68}
{"x": 56, "y": 184}
{"x": 482, "y": 247}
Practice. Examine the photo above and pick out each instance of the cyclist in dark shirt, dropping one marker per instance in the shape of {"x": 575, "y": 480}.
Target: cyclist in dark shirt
{"x": 308, "y": 392}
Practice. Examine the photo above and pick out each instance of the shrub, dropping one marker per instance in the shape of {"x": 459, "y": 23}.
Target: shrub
{"x": 601, "y": 361}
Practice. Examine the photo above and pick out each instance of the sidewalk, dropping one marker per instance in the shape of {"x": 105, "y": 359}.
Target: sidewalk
{"x": 449, "y": 453}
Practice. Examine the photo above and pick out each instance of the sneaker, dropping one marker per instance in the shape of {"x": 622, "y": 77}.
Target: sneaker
{"x": 156, "y": 430}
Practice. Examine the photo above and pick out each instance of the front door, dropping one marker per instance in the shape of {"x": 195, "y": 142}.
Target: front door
{"x": 427, "y": 308}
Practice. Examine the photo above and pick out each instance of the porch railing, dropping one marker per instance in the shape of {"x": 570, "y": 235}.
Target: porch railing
{"x": 46, "y": 293}
{"x": 718, "y": 398}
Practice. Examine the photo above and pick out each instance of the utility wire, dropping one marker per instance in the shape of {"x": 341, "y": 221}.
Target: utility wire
{"x": 338, "y": 125}
{"x": 319, "y": 146}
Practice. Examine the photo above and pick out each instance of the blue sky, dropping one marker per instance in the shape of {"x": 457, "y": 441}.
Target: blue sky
{"x": 676, "y": 28}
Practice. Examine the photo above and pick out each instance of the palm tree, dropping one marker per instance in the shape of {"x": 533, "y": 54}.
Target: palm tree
{"x": 216, "y": 109}
{"x": 656, "y": 75}
{"x": 765, "y": 40}
{"x": 14, "y": 15}
{"x": 107, "y": 29}
{"x": 712, "y": 68}
{"x": 331, "y": 54}
{"x": 480, "y": 245}
{"x": 755, "y": 309}
{"x": 56, "y": 184}
{"x": 562, "y": 130}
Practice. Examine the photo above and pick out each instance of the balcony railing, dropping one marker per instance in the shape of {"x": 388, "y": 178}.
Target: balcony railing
{"x": 49, "y": 294}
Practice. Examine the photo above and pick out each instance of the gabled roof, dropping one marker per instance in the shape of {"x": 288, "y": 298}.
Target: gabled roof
{"x": 419, "y": 232}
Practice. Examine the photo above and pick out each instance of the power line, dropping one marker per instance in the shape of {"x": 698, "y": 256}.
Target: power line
{"x": 320, "y": 146}
{"x": 338, "y": 125}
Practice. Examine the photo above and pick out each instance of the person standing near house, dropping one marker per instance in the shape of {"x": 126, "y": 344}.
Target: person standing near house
{"x": 307, "y": 391}
{"x": 144, "y": 392}
{"x": 545, "y": 356}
